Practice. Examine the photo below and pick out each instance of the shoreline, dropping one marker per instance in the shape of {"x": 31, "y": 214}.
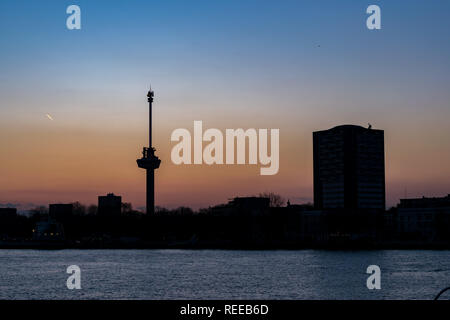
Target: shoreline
{"x": 248, "y": 247}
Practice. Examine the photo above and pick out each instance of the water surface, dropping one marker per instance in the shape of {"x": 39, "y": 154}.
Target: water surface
{"x": 222, "y": 274}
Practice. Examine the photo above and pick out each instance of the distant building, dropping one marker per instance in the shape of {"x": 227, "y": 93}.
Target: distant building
{"x": 48, "y": 231}
{"x": 349, "y": 168}
{"x": 300, "y": 207}
{"x": 60, "y": 211}
{"x": 253, "y": 206}
{"x": 8, "y": 223}
{"x": 424, "y": 219}
{"x": 243, "y": 205}
{"x": 8, "y": 213}
{"x": 424, "y": 202}
{"x": 109, "y": 205}
{"x": 314, "y": 227}
{"x": 250, "y": 202}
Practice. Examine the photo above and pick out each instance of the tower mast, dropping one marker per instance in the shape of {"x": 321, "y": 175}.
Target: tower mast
{"x": 150, "y": 95}
{"x": 149, "y": 160}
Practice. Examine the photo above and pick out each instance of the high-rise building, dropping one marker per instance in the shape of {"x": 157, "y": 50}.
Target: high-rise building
{"x": 349, "y": 168}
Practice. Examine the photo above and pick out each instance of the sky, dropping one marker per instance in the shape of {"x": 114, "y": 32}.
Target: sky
{"x": 299, "y": 66}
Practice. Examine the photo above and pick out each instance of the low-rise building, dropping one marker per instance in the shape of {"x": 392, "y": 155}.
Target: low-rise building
{"x": 109, "y": 205}
{"x": 424, "y": 219}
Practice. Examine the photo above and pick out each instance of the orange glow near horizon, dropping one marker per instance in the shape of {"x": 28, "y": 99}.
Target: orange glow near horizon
{"x": 48, "y": 163}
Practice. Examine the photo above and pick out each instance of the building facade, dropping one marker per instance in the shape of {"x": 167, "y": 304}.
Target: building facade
{"x": 424, "y": 219}
{"x": 349, "y": 169}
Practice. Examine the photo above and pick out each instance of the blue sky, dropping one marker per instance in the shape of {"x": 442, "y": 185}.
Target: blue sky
{"x": 257, "y": 40}
{"x": 295, "y": 65}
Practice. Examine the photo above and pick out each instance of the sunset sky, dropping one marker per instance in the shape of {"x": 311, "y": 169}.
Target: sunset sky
{"x": 299, "y": 66}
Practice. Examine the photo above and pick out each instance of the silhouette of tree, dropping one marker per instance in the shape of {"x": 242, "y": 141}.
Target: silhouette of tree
{"x": 160, "y": 210}
{"x": 92, "y": 210}
{"x": 127, "y": 208}
{"x": 79, "y": 209}
{"x": 39, "y": 212}
{"x": 275, "y": 199}
{"x": 184, "y": 211}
